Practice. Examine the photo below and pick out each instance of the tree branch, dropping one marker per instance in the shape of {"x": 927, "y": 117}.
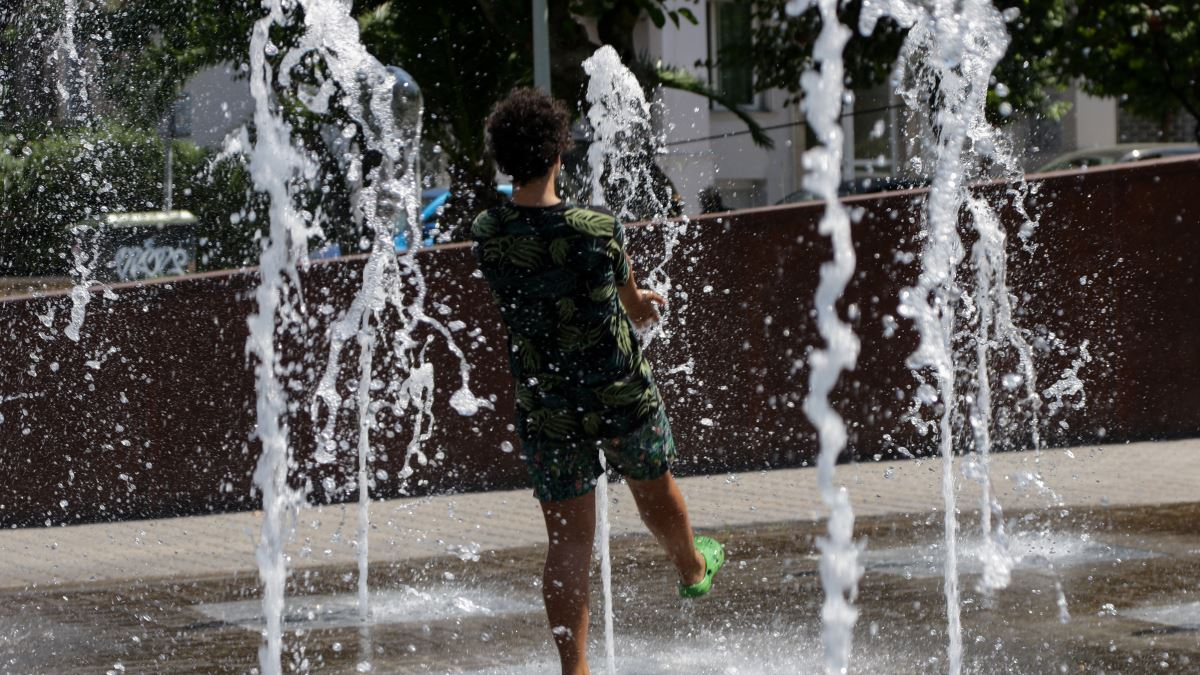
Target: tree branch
{"x": 682, "y": 80}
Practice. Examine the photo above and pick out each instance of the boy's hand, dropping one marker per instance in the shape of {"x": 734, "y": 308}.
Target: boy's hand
{"x": 643, "y": 307}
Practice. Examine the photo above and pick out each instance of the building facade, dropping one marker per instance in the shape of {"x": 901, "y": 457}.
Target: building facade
{"x": 707, "y": 147}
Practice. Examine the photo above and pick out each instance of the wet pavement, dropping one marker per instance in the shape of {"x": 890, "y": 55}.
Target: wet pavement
{"x": 1137, "y": 474}
{"x": 1129, "y": 579}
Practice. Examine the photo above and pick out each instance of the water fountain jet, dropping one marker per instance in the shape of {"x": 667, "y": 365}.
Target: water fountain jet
{"x": 839, "y": 568}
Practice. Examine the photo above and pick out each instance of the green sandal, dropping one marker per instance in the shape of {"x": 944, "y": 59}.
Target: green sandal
{"x": 714, "y": 557}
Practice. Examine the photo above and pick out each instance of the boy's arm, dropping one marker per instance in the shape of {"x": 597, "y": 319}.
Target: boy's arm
{"x": 641, "y": 304}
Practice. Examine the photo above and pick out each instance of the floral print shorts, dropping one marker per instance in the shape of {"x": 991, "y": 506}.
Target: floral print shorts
{"x": 571, "y": 470}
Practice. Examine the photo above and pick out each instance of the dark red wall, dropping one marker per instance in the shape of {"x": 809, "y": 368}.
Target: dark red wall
{"x": 159, "y": 423}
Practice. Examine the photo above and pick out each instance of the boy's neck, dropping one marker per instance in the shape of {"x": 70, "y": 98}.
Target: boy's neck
{"x": 537, "y": 192}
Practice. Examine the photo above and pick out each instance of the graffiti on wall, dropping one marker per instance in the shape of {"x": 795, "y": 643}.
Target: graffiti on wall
{"x": 150, "y": 260}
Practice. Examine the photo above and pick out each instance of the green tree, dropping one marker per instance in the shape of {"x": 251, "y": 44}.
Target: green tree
{"x": 464, "y": 56}
{"x": 66, "y": 160}
{"x": 1145, "y": 53}
{"x": 1030, "y": 70}
{"x": 51, "y": 183}
{"x": 28, "y": 95}
{"x": 467, "y": 54}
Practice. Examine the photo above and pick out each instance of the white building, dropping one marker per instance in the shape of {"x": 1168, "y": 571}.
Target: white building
{"x": 707, "y": 146}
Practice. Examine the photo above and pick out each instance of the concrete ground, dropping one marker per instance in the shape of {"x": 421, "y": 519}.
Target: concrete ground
{"x": 1105, "y": 569}
{"x": 406, "y": 529}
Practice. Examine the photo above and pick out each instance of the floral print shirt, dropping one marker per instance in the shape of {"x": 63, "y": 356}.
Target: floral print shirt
{"x": 579, "y": 370}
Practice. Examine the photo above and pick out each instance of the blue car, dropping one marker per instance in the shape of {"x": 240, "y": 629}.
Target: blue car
{"x": 433, "y": 201}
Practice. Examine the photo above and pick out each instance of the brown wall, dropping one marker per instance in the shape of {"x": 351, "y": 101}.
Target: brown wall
{"x": 159, "y": 423}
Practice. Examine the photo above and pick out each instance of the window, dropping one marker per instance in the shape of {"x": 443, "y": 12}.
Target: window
{"x": 871, "y": 128}
{"x": 742, "y": 194}
{"x": 729, "y": 50}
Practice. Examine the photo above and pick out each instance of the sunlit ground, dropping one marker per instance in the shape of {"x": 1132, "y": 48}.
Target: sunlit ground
{"x": 1129, "y": 578}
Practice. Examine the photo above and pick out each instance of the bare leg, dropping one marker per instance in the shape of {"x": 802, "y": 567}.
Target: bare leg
{"x": 571, "y": 527}
{"x": 665, "y": 514}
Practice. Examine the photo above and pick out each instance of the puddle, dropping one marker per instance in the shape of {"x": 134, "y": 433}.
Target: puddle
{"x": 406, "y": 605}
{"x": 1030, "y": 552}
{"x": 1183, "y": 616}
{"x": 763, "y": 653}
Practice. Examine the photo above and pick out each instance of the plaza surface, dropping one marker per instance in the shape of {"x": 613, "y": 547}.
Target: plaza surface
{"x": 1106, "y": 567}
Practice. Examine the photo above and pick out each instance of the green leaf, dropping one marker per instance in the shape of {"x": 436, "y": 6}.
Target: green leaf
{"x": 553, "y": 424}
{"x": 495, "y": 249}
{"x": 592, "y": 337}
{"x": 569, "y": 337}
{"x": 614, "y": 249}
{"x": 526, "y": 252}
{"x": 591, "y": 423}
{"x": 524, "y": 397}
{"x": 576, "y": 338}
{"x": 656, "y": 15}
{"x": 591, "y": 223}
{"x": 648, "y": 402}
{"x": 508, "y": 214}
{"x": 603, "y": 293}
{"x": 566, "y": 309}
{"x": 621, "y": 393}
{"x": 619, "y": 328}
{"x": 643, "y": 367}
{"x": 531, "y": 361}
{"x": 485, "y": 225}
{"x": 559, "y": 249}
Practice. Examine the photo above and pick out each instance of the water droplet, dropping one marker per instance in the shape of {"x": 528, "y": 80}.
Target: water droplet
{"x": 465, "y": 403}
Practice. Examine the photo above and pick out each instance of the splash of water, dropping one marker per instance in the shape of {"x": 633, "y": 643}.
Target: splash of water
{"x": 950, "y": 52}
{"x": 383, "y": 193}
{"x": 274, "y": 164}
{"x": 618, "y": 114}
{"x": 839, "y": 567}
{"x": 374, "y": 97}
{"x": 72, "y": 70}
{"x": 385, "y": 106}
{"x": 604, "y": 536}
{"x": 621, "y": 162}
{"x": 72, "y": 92}
{"x": 84, "y": 257}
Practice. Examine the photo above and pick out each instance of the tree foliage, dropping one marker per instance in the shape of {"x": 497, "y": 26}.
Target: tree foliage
{"x": 1030, "y": 70}
{"x": 1146, "y": 53}
{"x": 51, "y": 183}
{"x": 468, "y": 54}
{"x": 465, "y": 56}
{"x": 79, "y": 139}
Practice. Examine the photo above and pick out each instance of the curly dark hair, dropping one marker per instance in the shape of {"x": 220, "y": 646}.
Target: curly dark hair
{"x": 526, "y": 131}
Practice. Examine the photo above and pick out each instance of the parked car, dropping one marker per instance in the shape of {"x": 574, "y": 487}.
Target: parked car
{"x": 433, "y": 202}
{"x": 860, "y": 186}
{"x": 1118, "y": 154}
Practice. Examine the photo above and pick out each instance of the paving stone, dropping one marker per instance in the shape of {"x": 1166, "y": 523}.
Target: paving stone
{"x": 211, "y": 545}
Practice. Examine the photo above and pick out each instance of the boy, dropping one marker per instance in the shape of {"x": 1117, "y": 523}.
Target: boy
{"x": 566, "y": 291}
